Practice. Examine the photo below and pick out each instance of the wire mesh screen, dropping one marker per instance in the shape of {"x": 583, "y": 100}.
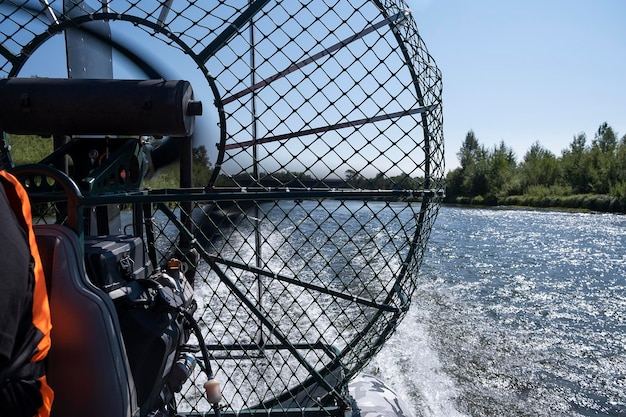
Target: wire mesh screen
{"x": 297, "y": 297}
{"x": 323, "y": 123}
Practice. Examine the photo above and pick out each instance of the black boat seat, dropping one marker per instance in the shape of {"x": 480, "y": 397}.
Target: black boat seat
{"x": 87, "y": 364}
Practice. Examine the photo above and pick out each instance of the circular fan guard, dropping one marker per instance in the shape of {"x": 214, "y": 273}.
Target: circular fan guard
{"x": 323, "y": 122}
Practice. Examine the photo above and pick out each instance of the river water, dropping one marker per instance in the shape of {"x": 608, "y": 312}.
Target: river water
{"x": 517, "y": 313}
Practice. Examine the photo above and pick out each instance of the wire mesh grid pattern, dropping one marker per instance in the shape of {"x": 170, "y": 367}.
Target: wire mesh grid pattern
{"x": 326, "y": 146}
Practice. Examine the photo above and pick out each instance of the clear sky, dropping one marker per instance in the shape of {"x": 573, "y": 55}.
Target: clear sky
{"x": 524, "y": 71}
{"x": 527, "y": 71}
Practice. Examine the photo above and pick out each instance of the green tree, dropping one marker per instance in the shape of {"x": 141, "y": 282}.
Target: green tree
{"x": 576, "y": 165}
{"x": 454, "y": 180}
{"x": 605, "y": 139}
{"x": 539, "y": 168}
{"x": 355, "y": 179}
{"x": 620, "y": 161}
{"x": 603, "y": 159}
{"x": 469, "y": 149}
{"x": 201, "y": 166}
{"x": 474, "y": 166}
{"x": 502, "y": 169}
{"x": 169, "y": 176}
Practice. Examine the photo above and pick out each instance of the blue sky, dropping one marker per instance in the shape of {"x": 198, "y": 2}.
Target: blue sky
{"x": 523, "y": 71}
{"x": 527, "y": 71}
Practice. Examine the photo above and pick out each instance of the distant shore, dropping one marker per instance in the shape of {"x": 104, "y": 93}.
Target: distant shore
{"x": 590, "y": 202}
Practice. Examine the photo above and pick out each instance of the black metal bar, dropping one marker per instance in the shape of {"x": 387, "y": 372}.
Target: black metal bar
{"x": 322, "y": 129}
{"x": 273, "y": 346}
{"x": 307, "y": 285}
{"x": 219, "y": 106}
{"x": 72, "y": 192}
{"x": 186, "y": 181}
{"x": 62, "y": 164}
{"x": 7, "y": 54}
{"x": 49, "y": 12}
{"x": 230, "y": 31}
{"x": 334, "y": 411}
{"x": 166, "y": 195}
{"x": 327, "y": 51}
{"x": 138, "y": 220}
{"x": 165, "y": 10}
{"x": 159, "y": 196}
{"x": 149, "y": 225}
{"x": 254, "y": 351}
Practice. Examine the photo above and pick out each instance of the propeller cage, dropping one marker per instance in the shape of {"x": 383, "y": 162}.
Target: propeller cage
{"x": 325, "y": 141}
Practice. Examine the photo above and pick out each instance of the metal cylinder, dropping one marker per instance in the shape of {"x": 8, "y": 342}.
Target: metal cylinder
{"x": 47, "y": 106}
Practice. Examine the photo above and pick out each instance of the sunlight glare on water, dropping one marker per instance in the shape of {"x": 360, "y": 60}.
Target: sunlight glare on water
{"x": 518, "y": 312}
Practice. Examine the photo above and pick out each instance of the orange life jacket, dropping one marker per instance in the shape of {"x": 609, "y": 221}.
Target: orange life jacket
{"x": 18, "y": 199}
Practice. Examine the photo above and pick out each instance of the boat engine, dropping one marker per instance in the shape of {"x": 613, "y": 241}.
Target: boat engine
{"x": 155, "y": 311}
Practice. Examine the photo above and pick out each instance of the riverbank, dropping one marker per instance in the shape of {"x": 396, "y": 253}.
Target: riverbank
{"x": 592, "y": 202}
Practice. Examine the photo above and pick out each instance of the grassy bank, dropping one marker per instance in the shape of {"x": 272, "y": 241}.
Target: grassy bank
{"x": 593, "y": 202}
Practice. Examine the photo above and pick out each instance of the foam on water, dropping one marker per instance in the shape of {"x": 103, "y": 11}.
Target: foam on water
{"x": 411, "y": 366}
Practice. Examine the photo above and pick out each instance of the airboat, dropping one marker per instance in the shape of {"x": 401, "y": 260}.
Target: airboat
{"x": 267, "y": 290}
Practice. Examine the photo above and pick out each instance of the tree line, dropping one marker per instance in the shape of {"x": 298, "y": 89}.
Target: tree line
{"x": 587, "y": 174}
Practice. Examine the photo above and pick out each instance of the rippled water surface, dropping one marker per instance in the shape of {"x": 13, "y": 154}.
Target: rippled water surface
{"x": 518, "y": 313}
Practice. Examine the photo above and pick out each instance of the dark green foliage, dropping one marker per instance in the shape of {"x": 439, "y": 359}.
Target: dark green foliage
{"x": 574, "y": 165}
{"x": 169, "y": 176}
{"x": 540, "y": 167}
{"x": 202, "y": 167}
{"x": 28, "y": 149}
{"x": 585, "y": 176}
